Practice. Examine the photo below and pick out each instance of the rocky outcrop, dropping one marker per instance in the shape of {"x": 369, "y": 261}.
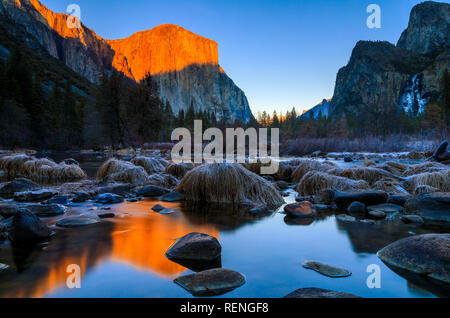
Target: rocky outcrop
{"x": 383, "y": 78}
{"x": 185, "y": 65}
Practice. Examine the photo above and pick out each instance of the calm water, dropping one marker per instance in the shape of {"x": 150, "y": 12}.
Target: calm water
{"x": 124, "y": 256}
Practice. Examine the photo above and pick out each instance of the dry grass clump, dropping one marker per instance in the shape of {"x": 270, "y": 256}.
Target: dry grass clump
{"x": 369, "y": 174}
{"x": 150, "y": 164}
{"x": 14, "y": 164}
{"x": 228, "y": 183}
{"x": 32, "y": 166}
{"x": 122, "y": 171}
{"x": 390, "y": 186}
{"x": 439, "y": 180}
{"x": 304, "y": 166}
{"x": 425, "y": 189}
{"x": 426, "y": 167}
{"x": 164, "y": 180}
{"x": 178, "y": 170}
{"x": 315, "y": 181}
{"x": 393, "y": 167}
{"x": 369, "y": 163}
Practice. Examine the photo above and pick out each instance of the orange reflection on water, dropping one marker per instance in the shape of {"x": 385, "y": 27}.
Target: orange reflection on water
{"x": 143, "y": 240}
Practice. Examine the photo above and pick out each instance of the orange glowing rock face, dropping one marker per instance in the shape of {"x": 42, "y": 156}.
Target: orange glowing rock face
{"x": 165, "y": 48}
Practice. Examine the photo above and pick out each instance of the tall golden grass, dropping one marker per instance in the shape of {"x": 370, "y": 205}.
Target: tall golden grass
{"x": 122, "y": 171}
{"x": 369, "y": 174}
{"x": 315, "y": 181}
{"x": 150, "y": 164}
{"x": 164, "y": 180}
{"x": 393, "y": 167}
{"x": 439, "y": 180}
{"x": 228, "y": 183}
{"x": 41, "y": 170}
{"x": 178, "y": 170}
{"x": 305, "y": 165}
{"x": 426, "y": 167}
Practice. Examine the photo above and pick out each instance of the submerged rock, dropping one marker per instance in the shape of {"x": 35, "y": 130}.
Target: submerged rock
{"x": 348, "y": 159}
{"x": 151, "y": 191}
{"x": 357, "y": 208}
{"x": 412, "y": 219}
{"x": 430, "y": 206}
{"x": 422, "y": 258}
{"x": 33, "y": 196}
{"x": 326, "y": 269}
{"x": 377, "y": 214}
{"x": 76, "y": 221}
{"x": 109, "y": 198}
{"x": 45, "y": 210}
{"x": 313, "y": 292}
{"x": 211, "y": 282}
{"x": 18, "y": 185}
{"x": 106, "y": 216}
{"x": 158, "y": 208}
{"x": 81, "y": 197}
{"x": 195, "y": 246}
{"x": 301, "y": 209}
{"x": 172, "y": 197}
{"x": 27, "y": 228}
{"x": 344, "y": 199}
{"x": 118, "y": 188}
{"x": 345, "y": 218}
{"x": 58, "y": 199}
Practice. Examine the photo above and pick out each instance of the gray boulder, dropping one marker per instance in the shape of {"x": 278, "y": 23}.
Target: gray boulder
{"x": 109, "y": 198}
{"x": 46, "y": 210}
{"x": 18, "y": 185}
{"x": 34, "y": 196}
{"x": 27, "y": 228}
{"x": 430, "y": 206}
{"x": 357, "y": 208}
{"x": 344, "y": 199}
{"x": 151, "y": 191}
{"x": 195, "y": 246}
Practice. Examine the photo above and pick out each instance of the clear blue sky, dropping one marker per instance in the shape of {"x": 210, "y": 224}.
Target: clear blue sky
{"x": 282, "y": 53}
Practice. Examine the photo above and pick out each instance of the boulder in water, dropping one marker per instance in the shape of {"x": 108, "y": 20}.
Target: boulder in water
{"x": 27, "y": 228}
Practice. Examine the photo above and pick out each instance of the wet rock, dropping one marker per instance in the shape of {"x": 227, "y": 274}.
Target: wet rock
{"x": 46, "y": 210}
{"x": 18, "y": 185}
{"x": 211, "y": 282}
{"x": 151, "y": 191}
{"x": 158, "y": 208}
{"x": 8, "y": 209}
{"x": 172, "y": 197}
{"x": 166, "y": 212}
{"x": 119, "y": 189}
{"x": 325, "y": 196}
{"x": 58, "y": 199}
{"x": 377, "y": 214}
{"x": 412, "y": 219}
{"x": 421, "y": 258}
{"x": 387, "y": 208}
{"x": 81, "y": 197}
{"x": 440, "y": 150}
{"x": 345, "y": 218}
{"x": 322, "y": 207}
{"x": 430, "y": 206}
{"x": 282, "y": 185}
{"x": 106, "y": 216}
{"x": 34, "y": 196}
{"x": 399, "y": 199}
{"x": 133, "y": 200}
{"x": 357, "y": 208}
{"x": 326, "y": 269}
{"x": 348, "y": 159}
{"x": 313, "y": 292}
{"x": 195, "y": 246}
{"x": 344, "y": 199}
{"x": 425, "y": 189}
{"x": 368, "y": 221}
{"x": 258, "y": 210}
{"x": 301, "y": 209}
{"x": 76, "y": 221}
{"x": 27, "y": 228}
{"x": 109, "y": 198}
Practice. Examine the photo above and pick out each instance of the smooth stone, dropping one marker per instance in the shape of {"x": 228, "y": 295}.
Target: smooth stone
{"x": 399, "y": 199}
{"x": 166, "y": 212}
{"x": 387, "y": 208}
{"x": 27, "y": 228}
{"x": 312, "y": 292}
{"x": 18, "y": 185}
{"x": 357, "y": 208}
{"x": 81, "y": 197}
{"x": 430, "y": 206}
{"x": 8, "y": 209}
{"x": 211, "y": 282}
{"x": 46, "y": 210}
{"x": 151, "y": 191}
{"x": 300, "y": 209}
{"x": 109, "y": 198}
{"x": 106, "y": 216}
{"x": 133, "y": 200}
{"x": 118, "y": 189}
{"x": 326, "y": 269}
{"x": 377, "y": 214}
{"x": 412, "y": 219}
{"x": 423, "y": 256}
{"x": 345, "y": 218}
{"x": 367, "y": 221}
{"x": 344, "y": 199}
{"x": 58, "y": 199}
{"x": 33, "y": 196}
{"x": 172, "y": 197}
{"x": 76, "y": 221}
{"x": 321, "y": 207}
{"x": 158, "y": 208}
{"x": 195, "y": 246}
